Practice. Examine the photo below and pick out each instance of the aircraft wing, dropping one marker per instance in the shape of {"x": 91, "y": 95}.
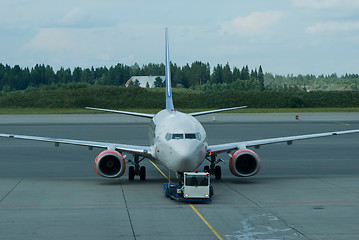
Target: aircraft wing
{"x": 136, "y": 114}
{"x": 134, "y": 149}
{"x": 214, "y": 111}
{"x": 257, "y": 143}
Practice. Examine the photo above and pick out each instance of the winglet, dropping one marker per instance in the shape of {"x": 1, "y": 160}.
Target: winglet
{"x": 169, "y": 102}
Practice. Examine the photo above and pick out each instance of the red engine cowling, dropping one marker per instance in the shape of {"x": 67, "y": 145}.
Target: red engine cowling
{"x": 244, "y": 163}
{"x": 110, "y": 164}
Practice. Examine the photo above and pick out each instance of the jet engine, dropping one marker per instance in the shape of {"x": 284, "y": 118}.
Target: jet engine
{"x": 244, "y": 163}
{"x": 110, "y": 164}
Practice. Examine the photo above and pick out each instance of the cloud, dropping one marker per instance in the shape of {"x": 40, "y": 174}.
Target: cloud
{"x": 317, "y": 4}
{"x": 254, "y": 24}
{"x": 322, "y": 4}
{"x": 333, "y": 27}
{"x": 52, "y": 39}
{"x": 75, "y": 16}
{"x": 101, "y": 46}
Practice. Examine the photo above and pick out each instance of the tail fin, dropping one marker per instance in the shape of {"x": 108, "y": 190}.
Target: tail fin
{"x": 169, "y": 102}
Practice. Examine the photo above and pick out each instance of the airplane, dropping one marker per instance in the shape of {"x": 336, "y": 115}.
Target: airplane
{"x": 177, "y": 141}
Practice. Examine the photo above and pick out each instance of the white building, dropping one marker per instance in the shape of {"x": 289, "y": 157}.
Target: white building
{"x": 143, "y": 80}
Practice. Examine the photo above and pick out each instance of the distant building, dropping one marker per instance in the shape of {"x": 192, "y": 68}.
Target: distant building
{"x": 143, "y": 80}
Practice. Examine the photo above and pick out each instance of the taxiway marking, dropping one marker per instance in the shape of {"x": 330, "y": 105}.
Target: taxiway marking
{"x": 193, "y": 208}
{"x": 205, "y": 221}
{"x": 159, "y": 170}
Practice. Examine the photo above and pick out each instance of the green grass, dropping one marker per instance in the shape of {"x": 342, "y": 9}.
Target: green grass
{"x": 17, "y": 111}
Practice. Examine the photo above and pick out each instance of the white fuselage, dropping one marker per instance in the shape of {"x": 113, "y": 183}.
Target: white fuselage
{"x": 178, "y": 140}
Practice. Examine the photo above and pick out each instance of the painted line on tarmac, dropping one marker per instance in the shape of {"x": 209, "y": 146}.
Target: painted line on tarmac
{"x": 205, "y": 221}
{"x": 193, "y": 208}
{"x": 343, "y": 123}
{"x": 159, "y": 170}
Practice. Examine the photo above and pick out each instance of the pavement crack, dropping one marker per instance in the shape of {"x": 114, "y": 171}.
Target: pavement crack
{"x": 12, "y": 189}
{"x": 296, "y": 230}
{"x": 235, "y": 190}
{"x": 334, "y": 184}
{"x": 128, "y": 212}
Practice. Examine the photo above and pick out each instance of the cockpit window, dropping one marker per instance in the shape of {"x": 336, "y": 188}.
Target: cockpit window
{"x": 177, "y": 136}
{"x": 198, "y": 136}
{"x": 168, "y": 136}
{"x": 190, "y": 136}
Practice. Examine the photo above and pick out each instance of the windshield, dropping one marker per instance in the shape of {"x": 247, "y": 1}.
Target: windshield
{"x": 190, "y": 136}
{"x": 177, "y": 136}
{"x": 193, "y": 180}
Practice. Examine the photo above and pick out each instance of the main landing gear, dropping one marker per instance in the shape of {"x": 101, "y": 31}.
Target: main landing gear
{"x": 213, "y": 169}
{"x": 136, "y": 170}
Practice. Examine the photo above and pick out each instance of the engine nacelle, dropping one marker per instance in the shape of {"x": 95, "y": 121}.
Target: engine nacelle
{"x": 110, "y": 164}
{"x": 244, "y": 163}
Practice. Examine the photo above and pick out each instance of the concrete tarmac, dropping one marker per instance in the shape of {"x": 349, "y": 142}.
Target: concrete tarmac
{"x": 309, "y": 190}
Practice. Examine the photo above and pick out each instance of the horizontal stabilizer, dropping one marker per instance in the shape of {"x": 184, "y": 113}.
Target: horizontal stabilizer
{"x": 144, "y": 115}
{"x": 215, "y": 111}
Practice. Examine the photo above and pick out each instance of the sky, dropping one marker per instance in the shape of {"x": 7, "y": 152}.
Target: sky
{"x": 283, "y": 36}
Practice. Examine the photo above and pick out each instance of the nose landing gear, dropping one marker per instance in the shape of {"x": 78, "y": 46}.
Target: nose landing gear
{"x": 213, "y": 169}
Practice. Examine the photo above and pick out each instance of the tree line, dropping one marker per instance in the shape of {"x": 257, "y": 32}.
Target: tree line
{"x": 309, "y": 82}
{"x": 195, "y": 75}
{"x": 198, "y": 76}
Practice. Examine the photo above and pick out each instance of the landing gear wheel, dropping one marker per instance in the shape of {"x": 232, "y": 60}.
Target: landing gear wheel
{"x": 206, "y": 169}
{"x": 143, "y": 173}
{"x": 218, "y": 172}
{"x": 131, "y": 173}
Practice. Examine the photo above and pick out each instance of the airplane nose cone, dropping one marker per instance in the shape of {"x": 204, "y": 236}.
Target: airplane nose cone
{"x": 187, "y": 156}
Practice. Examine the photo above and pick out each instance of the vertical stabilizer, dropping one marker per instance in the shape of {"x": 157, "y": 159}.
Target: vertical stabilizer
{"x": 169, "y": 102}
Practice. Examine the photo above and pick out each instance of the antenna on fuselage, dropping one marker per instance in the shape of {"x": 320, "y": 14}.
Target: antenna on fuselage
{"x": 169, "y": 102}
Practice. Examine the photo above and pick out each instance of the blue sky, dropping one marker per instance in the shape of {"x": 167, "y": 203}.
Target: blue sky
{"x": 284, "y": 36}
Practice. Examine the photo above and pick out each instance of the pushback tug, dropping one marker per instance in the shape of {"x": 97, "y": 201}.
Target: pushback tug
{"x": 195, "y": 187}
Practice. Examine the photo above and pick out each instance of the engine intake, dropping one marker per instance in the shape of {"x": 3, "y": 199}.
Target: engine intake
{"x": 244, "y": 163}
{"x": 110, "y": 164}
